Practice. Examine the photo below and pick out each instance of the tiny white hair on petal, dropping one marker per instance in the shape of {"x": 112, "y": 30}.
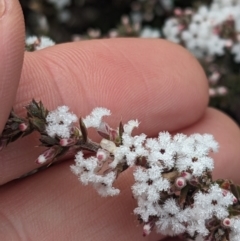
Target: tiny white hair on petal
{"x": 95, "y": 117}
{"x": 130, "y": 126}
{"x": 60, "y": 121}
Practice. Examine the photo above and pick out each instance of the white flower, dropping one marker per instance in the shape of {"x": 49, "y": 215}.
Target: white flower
{"x": 149, "y": 183}
{"x": 59, "y": 122}
{"x": 31, "y": 40}
{"x": 201, "y": 35}
{"x": 214, "y": 203}
{"x": 235, "y": 230}
{"x": 161, "y": 150}
{"x": 193, "y": 154}
{"x": 171, "y": 30}
{"x": 44, "y": 43}
{"x": 39, "y": 43}
{"x": 171, "y": 220}
{"x": 95, "y": 118}
{"x": 87, "y": 171}
{"x": 148, "y": 32}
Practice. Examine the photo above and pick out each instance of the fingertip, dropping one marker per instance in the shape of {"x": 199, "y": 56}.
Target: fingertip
{"x": 12, "y": 49}
{"x": 156, "y": 81}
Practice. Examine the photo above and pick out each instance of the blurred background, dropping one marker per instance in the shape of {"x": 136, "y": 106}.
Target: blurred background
{"x": 209, "y": 29}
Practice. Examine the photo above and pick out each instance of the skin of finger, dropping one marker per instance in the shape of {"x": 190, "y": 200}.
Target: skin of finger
{"x": 12, "y": 49}
{"x": 53, "y": 205}
{"x": 227, "y": 133}
{"x": 54, "y": 199}
{"x": 155, "y": 81}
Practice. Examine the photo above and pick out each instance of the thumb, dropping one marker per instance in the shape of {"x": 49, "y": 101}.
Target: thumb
{"x": 12, "y": 51}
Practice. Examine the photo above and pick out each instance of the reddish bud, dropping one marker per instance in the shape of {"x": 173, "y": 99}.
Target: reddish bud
{"x": 22, "y": 127}
{"x": 102, "y": 155}
{"x": 180, "y": 182}
{"x": 227, "y": 222}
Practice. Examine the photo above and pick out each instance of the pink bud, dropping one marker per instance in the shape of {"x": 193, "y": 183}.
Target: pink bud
{"x": 186, "y": 175}
{"x": 180, "y": 182}
{"x": 147, "y": 228}
{"x": 22, "y": 127}
{"x": 41, "y": 159}
{"x": 227, "y": 222}
{"x": 102, "y": 155}
{"x": 49, "y": 154}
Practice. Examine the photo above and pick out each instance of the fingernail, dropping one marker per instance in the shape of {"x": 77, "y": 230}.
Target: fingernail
{"x": 2, "y": 7}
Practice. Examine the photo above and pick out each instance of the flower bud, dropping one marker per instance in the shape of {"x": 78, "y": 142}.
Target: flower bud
{"x": 102, "y": 155}
{"x": 108, "y": 145}
{"x": 147, "y": 228}
{"x": 22, "y": 127}
{"x": 67, "y": 142}
{"x": 180, "y": 182}
{"x": 47, "y": 155}
{"x": 227, "y": 222}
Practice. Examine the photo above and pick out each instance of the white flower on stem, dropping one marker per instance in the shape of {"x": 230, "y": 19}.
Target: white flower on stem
{"x": 95, "y": 118}
{"x": 146, "y": 209}
{"x": 130, "y": 150}
{"x": 39, "y": 43}
{"x": 44, "y": 43}
{"x": 171, "y": 219}
{"x": 161, "y": 150}
{"x": 214, "y": 203}
{"x": 149, "y": 183}
{"x": 59, "y": 122}
{"x": 87, "y": 171}
{"x": 193, "y": 154}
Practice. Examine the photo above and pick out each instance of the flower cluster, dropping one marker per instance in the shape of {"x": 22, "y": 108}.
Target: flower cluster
{"x": 209, "y": 31}
{"x": 173, "y": 188}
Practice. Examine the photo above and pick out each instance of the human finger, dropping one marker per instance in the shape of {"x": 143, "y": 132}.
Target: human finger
{"x": 155, "y": 81}
{"x": 11, "y": 49}
{"x": 79, "y": 211}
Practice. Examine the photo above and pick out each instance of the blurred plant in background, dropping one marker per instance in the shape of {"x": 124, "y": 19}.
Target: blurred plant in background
{"x": 209, "y": 29}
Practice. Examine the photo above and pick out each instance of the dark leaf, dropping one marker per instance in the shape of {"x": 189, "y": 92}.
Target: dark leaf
{"x": 48, "y": 141}
{"x": 83, "y": 130}
{"x": 38, "y": 124}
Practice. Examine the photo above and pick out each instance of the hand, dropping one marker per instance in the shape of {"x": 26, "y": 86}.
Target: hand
{"x": 157, "y": 82}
